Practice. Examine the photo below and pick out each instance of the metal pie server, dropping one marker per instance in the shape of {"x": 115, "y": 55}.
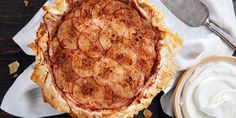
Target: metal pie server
{"x": 195, "y": 13}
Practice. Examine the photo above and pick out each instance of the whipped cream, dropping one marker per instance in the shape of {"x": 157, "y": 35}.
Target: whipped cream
{"x": 210, "y": 92}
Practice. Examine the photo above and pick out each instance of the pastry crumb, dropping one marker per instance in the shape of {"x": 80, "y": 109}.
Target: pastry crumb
{"x": 26, "y": 2}
{"x": 147, "y": 113}
{"x": 15, "y": 75}
{"x": 13, "y": 67}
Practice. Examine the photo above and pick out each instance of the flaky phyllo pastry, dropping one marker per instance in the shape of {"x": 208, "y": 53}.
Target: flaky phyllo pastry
{"x": 103, "y": 58}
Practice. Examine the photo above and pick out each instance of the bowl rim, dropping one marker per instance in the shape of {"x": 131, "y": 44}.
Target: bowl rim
{"x": 183, "y": 79}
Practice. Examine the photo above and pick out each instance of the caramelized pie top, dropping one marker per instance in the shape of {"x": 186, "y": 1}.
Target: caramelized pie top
{"x": 103, "y": 53}
{"x": 103, "y": 58}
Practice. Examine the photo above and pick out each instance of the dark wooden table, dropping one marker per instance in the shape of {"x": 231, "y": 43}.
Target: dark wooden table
{"x": 13, "y": 16}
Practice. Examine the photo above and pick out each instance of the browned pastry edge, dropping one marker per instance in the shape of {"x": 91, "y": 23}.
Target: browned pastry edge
{"x": 170, "y": 44}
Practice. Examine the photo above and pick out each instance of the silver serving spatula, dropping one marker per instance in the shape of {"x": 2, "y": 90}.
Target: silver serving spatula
{"x": 195, "y": 13}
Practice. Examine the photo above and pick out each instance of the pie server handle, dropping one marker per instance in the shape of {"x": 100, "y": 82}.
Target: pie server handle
{"x": 221, "y": 33}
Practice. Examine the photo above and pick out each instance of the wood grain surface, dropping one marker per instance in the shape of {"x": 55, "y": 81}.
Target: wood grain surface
{"x": 13, "y": 16}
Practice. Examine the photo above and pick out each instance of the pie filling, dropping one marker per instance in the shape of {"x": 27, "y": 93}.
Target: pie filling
{"x": 103, "y": 54}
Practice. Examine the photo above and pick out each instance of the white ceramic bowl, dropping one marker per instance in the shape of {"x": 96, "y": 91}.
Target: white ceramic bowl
{"x": 184, "y": 78}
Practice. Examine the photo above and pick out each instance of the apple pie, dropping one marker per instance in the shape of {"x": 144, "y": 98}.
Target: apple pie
{"x": 103, "y": 58}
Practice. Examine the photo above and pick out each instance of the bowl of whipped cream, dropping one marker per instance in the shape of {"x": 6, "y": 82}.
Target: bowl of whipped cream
{"x": 207, "y": 89}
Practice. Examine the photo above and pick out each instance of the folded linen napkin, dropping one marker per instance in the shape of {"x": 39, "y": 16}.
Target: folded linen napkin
{"x": 25, "y": 100}
{"x": 199, "y": 42}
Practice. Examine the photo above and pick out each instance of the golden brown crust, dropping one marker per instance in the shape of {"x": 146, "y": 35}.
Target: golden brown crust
{"x": 170, "y": 44}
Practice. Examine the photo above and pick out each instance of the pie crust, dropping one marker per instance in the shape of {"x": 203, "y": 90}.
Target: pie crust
{"x": 103, "y": 58}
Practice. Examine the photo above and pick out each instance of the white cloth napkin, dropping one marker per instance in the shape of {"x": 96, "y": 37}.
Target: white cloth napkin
{"x": 198, "y": 43}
